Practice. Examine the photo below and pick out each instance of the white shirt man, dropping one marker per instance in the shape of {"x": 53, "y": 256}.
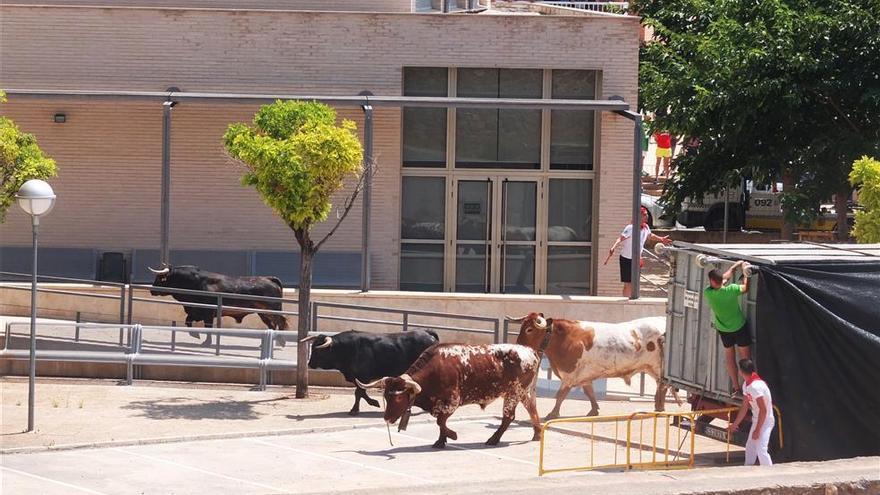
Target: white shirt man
{"x": 625, "y": 239}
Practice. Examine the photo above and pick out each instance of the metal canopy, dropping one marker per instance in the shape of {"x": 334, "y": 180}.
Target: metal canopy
{"x": 366, "y": 102}
{"x": 355, "y": 101}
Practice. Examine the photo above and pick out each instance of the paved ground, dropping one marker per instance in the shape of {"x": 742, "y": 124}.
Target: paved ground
{"x": 97, "y": 437}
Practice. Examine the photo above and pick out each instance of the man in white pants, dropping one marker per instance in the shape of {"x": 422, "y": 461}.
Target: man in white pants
{"x": 756, "y": 395}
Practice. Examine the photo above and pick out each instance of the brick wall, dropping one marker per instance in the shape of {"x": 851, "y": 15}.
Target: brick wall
{"x": 316, "y": 5}
{"x": 109, "y": 152}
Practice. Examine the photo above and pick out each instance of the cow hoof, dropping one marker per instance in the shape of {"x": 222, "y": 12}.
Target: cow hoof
{"x": 373, "y": 402}
{"x": 537, "y": 436}
{"x": 439, "y": 444}
{"x": 195, "y": 335}
{"x": 593, "y": 412}
{"x": 206, "y": 343}
{"x": 550, "y": 416}
{"x": 281, "y": 342}
{"x": 492, "y": 441}
{"x": 354, "y": 412}
{"x": 451, "y": 434}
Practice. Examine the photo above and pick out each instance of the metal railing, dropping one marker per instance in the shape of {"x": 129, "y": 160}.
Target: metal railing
{"x": 405, "y": 321}
{"x": 606, "y": 7}
{"x": 217, "y": 306}
{"x": 625, "y": 441}
{"x": 131, "y": 354}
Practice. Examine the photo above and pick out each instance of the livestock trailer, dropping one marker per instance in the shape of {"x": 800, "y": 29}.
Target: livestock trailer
{"x": 814, "y": 313}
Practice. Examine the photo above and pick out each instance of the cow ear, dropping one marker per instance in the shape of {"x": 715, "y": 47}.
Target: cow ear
{"x": 541, "y": 315}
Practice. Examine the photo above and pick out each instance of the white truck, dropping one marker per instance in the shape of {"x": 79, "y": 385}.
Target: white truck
{"x": 754, "y": 206}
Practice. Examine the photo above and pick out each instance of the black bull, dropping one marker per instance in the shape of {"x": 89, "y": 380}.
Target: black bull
{"x": 368, "y": 356}
{"x": 193, "y": 278}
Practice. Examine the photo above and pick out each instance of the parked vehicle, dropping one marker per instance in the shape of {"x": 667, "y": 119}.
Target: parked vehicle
{"x": 755, "y": 206}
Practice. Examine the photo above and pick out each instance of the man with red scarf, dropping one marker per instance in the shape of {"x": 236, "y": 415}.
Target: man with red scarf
{"x": 756, "y": 394}
{"x": 626, "y": 252}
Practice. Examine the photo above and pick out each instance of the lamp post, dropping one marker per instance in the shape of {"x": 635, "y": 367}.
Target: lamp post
{"x": 36, "y": 198}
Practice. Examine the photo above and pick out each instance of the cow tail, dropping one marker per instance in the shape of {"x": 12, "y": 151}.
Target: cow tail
{"x": 432, "y": 333}
{"x": 283, "y": 325}
{"x": 280, "y": 320}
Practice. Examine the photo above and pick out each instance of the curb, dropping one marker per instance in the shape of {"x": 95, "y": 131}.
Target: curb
{"x": 214, "y": 436}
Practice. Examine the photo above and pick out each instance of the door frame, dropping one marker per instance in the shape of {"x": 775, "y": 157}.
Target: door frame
{"x": 496, "y": 219}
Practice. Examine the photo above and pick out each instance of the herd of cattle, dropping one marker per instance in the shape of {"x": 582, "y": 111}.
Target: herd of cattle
{"x": 415, "y": 369}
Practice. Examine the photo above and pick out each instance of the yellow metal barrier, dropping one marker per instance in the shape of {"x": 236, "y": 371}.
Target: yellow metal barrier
{"x": 664, "y": 420}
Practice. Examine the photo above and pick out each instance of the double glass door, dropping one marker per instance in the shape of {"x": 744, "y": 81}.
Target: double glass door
{"x": 495, "y": 234}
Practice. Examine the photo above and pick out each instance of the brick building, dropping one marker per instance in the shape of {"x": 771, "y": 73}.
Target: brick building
{"x": 467, "y": 200}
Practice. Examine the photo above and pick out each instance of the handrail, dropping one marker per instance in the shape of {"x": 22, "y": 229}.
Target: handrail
{"x": 641, "y": 416}
{"x": 204, "y": 293}
{"x": 64, "y": 279}
{"x": 411, "y": 312}
{"x": 132, "y": 356}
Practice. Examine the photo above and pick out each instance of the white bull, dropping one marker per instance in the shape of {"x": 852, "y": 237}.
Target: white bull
{"x": 582, "y": 351}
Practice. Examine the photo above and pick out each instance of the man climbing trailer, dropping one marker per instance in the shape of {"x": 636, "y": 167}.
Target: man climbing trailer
{"x": 812, "y": 311}
{"x": 732, "y": 326}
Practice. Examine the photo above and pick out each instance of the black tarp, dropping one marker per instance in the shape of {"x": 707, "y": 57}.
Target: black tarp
{"x": 818, "y": 348}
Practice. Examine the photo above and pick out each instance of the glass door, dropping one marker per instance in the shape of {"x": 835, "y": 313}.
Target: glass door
{"x": 474, "y": 233}
{"x": 518, "y": 240}
{"x": 495, "y": 235}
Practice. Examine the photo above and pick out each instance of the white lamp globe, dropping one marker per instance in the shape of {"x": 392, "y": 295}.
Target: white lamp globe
{"x": 36, "y": 197}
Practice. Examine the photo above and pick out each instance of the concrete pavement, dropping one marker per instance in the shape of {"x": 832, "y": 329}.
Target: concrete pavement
{"x": 100, "y": 438}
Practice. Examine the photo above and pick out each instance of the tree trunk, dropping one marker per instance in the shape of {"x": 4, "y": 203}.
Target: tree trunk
{"x": 787, "y": 233}
{"x": 304, "y": 296}
{"x": 840, "y": 208}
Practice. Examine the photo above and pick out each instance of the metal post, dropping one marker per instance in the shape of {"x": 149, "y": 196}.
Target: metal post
{"x": 405, "y": 321}
{"x": 219, "y": 323}
{"x": 166, "y": 181}
{"x": 314, "y": 327}
{"x": 32, "y": 359}
{"x": 636, "y": 206}
{"x": 76, "y": 331}
{"x": 726, "y": 212}
{"x": 367, "y": 194}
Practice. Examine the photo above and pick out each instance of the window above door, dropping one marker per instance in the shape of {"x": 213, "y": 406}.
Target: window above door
{"x": 499, "y": 139}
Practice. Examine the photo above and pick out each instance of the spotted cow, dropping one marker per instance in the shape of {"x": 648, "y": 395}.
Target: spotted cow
{"x": 582, "y": 351}
{"x": 448, "y": 376}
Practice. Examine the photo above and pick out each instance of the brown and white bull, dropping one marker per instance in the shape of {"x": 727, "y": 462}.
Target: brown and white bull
{"x": 582, "y": 351}
{"x": 448, "y": 376}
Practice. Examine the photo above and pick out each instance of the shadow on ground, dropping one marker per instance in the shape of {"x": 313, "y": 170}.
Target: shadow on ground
{"x": 427, "y": 447}
{"x": 188, "y": 408}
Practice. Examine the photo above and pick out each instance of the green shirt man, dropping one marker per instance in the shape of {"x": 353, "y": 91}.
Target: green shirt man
{"x": 728, "y": 315}
{"x": 728, "y": 318}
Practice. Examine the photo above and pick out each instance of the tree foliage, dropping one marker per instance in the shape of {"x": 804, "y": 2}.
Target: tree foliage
{"x": 866, "y": 175}
{"x": 21, "y": 159}
{"x": 770, "y": 87}
{"x": 297, "y": 157}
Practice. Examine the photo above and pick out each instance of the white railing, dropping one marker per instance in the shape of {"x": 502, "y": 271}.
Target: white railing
{"x": 607, "y": 7}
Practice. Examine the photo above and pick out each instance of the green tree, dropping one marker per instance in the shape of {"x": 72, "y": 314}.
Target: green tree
{"x": 21, "y": 159}
{"x": 297, "y": 156}
{"x": 776, "y": 89}
{"x": 866, "y": 175}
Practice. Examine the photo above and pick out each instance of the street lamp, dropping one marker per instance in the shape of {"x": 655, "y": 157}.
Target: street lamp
{"x": 36, "y": 198}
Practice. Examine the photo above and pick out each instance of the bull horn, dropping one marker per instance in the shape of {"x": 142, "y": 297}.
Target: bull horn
{"x": 159, "y": 272}
{"x": 518, "y": 320}
{"x": 372, "y": 384}
{"x": 417, "y": 389}
{"x": 541, "y": 322}
{"x": 326, "y": 343}
{"x": 308, "y": 339}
